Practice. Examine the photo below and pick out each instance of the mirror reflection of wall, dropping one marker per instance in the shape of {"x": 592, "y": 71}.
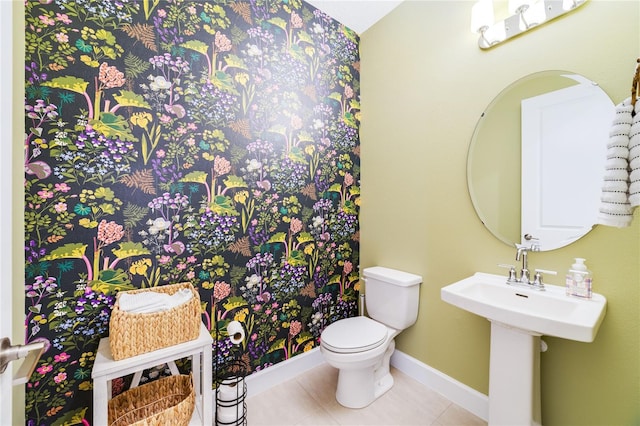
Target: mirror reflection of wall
{"x": 494, "y": 167}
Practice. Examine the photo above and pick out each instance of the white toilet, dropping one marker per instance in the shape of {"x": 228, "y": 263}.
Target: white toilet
{"x": 361, "y": 347}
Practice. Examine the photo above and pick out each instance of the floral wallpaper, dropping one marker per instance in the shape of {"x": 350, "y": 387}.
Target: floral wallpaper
{"x": 167, "y": 141}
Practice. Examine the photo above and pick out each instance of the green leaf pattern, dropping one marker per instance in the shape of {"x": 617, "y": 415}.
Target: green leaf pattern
{"x": 203, "y": 141}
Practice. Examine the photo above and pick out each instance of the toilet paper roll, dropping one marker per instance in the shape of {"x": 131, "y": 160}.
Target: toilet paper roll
{"x": 230, "y": 397}
{"x": 231, "y": 391}
{"x": 230, "y": 417}
{"x": 236, "y": 332}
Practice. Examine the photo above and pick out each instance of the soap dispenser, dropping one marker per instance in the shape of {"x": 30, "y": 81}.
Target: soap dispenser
{"x": 579, "y": 279}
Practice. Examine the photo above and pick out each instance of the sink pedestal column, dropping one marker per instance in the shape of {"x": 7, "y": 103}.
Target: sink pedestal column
{"x": 514, "y": 377}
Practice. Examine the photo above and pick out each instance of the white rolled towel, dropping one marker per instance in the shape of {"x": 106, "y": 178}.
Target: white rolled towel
{"x": 634, "y": 159}
{"x": 615, "y": 208}
{"x": 179, "y": 297}
{"x": 152, "y": 301}
{"x": 145, "y": 302}
{"x": 617, "y": 152}
{"x": 614, "y": 190}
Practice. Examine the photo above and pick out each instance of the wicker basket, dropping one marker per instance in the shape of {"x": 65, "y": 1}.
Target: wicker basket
{"x": 132, "y": 334}
{"x": 167, "y": 401}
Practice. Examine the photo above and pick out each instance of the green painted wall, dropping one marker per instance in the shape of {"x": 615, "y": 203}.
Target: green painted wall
{"x": 424, "y": 84}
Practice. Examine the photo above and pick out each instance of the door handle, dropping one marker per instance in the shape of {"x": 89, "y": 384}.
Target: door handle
{"x": 31, "y": 352}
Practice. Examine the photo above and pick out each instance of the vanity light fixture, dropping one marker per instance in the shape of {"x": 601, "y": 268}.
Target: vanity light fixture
{"x": 524, "y": 15}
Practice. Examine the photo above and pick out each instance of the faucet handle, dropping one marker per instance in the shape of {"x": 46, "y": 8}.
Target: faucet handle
{"x": 537, "y": 278}
{"x": 512, "y": 272}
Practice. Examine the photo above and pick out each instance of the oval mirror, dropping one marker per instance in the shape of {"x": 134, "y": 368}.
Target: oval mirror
{"x": 536, "y": 159}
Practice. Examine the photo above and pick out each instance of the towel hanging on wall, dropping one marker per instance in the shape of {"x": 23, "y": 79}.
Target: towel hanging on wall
{"x": 621, "y": 186}
{"x": 615, "y": 209}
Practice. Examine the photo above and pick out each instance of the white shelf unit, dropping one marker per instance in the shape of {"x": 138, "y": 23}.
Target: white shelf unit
{"x": 105, "y": 369}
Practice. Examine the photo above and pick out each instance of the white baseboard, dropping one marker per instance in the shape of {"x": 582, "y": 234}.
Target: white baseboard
{"x": 455, "y": 391}
{"x": 266, "y": 379}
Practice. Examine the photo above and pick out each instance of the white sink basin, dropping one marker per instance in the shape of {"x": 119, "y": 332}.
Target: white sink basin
{"x": 549, "y": 312}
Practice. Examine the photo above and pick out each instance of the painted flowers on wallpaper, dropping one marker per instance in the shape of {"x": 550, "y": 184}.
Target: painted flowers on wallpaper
{"x": 166, "y": 141}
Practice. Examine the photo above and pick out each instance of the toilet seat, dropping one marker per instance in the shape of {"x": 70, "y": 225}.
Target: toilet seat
{"x": 356, "y": 334}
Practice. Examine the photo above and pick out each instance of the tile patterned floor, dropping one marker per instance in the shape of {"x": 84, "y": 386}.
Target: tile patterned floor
{"x": 310, "y": 400}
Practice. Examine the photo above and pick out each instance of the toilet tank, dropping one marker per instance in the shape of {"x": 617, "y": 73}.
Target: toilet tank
{"x": 391, "y": 296}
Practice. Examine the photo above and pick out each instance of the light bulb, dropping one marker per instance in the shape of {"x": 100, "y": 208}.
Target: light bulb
{"x": 496, "y": 33}
{"x": 518, "y": 6}
{"x": 481, "y": 15}
{"x": 534, "y": 15}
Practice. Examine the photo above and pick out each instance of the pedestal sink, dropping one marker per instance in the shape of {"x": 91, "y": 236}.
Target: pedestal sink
{"x": 519, "y": 316}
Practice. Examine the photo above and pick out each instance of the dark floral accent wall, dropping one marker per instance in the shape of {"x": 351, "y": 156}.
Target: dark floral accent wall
{"x": 167, "y": 141}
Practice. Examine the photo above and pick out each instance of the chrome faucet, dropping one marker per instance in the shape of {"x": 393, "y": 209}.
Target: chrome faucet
{"x": 525, "y": 277}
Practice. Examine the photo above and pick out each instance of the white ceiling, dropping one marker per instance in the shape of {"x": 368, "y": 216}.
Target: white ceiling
{"x": 356, "y": 14}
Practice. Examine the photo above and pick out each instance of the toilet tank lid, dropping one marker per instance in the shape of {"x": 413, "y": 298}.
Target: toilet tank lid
{"x": 392, "y": 275}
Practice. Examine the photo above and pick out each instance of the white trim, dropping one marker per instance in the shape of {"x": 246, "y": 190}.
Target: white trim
{"x": 266, "y": 379}
{"x": 455, "y": 391}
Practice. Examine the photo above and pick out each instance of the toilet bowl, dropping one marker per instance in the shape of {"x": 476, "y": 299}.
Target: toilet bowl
{"x": 361, "y": 347}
